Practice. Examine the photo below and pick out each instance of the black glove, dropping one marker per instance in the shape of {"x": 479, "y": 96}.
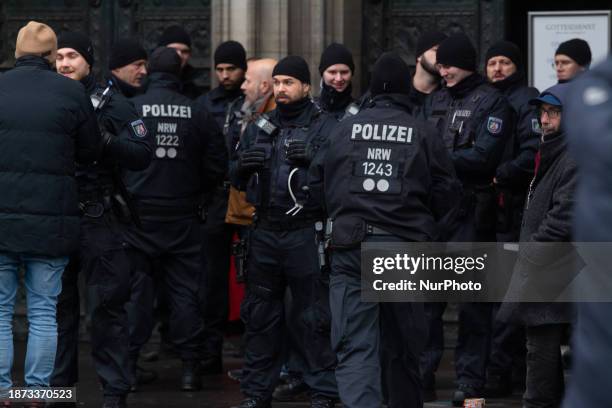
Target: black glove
{"x": 252, "y": 160}
{"x": 298, "y": 152}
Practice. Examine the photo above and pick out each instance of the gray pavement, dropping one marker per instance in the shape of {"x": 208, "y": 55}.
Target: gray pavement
{"x": 218, "y": 392}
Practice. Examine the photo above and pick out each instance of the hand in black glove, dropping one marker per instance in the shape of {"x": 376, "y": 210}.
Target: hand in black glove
{"x": 252, "y": 160}
{"x": 298, "y": 152}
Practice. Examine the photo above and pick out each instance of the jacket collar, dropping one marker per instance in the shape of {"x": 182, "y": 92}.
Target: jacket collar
{"x": 164, "y": 80}
{"x": 399, "y": 101}
{"x": 302, "y": 120}
{"x": 220, "y": 93}
{"x": 466, "y": 86}
{"x": 550, "y": 149}
{"x": 33, "y": 61}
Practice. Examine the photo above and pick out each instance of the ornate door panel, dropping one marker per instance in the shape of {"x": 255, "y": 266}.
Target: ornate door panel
{"x": 397, "y": 24}
{"x": 107, "y": 20}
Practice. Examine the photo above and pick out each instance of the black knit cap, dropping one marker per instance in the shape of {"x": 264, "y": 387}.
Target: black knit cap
{"x": 78, "y": 42}
{"x": 336, "y": 54}
{"x": 505, "y": 49}
{"x": 164, "y": 59}
{"x": 577, "y": 49}
{"x": 293, "y": 66}
{"x": 457, "y": 51}
{"x": 231, "y": 52}
{"x": 390, "y": 75}
{"x": 174, "y": 34}
{"x": 428, "y": 40}
{"x": 124, "y": 52}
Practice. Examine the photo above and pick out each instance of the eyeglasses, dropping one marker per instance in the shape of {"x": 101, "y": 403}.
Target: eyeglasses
{"x": 552, "y": 113}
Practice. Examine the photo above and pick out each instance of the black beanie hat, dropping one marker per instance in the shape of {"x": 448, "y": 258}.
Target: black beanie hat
{"x": 428, "y": 40}
{"x": 336, "y": 54}
{"x": 577, "y": 49}
{"x": 231, "y": 52}
{"x": 390, "y": 75}
{"x": 457, "y": 51}
{"x": 164, "y": 59}
{"x": 174, "y": 34}
{"x": 506, "y": 49}
{"x": 78, "y": 42}
{"x": 124, "y": 52}
{"x": 293, "y": 66}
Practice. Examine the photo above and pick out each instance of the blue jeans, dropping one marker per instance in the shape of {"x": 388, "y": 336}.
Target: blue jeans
{"x": 43, "y": 284}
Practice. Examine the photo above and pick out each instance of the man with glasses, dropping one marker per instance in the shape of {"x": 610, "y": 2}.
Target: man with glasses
{"x": 571, "y": 59}
{"x": 547, "y": 219}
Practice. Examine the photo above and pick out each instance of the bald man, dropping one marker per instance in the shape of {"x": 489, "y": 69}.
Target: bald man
{"x": 257, "y": 98}
{"x": 257, "y": 87}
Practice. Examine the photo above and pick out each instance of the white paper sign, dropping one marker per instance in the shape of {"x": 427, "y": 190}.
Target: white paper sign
{"x": 548, "y": 29}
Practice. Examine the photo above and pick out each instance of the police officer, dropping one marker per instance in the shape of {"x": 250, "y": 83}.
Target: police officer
{"x": 230, "y": 66}
{"x": 474, "y": 121}
{"x": 426, "y": 79}
{"x": 187, "y": 161}
{"x": 176, "y": 37}
{"x": 128, "y": 67}
{"x": 104, "y": 253}
{"x": 274, "y": 157}
{"x": 336, "y": 68}
{"x": 505, "y": 72}
{"x": 572, "y": 58}
{"x": 409, "y": 207}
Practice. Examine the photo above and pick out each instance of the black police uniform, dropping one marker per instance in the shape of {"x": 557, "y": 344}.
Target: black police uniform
{"x": 475, "y": 122}
{"x": 410, "y": 202}
{"x": 104, "y": 253}
{"x": 188, "y": 160}
{"x": 513, "y": 176}
{"x": 217, "y": 236}
{"x": 283, "y": 252}
{"x": 516, "y": 169}
{"x": 125, "y": 89}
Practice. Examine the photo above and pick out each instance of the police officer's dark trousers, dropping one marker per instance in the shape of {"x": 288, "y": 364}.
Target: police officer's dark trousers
{"x": 216, "y": 253}
{"x": 173, "y": 246}
{"x": 279, "y": 258}
{"x": 377, "y": 344}
{"x": 104, "y": 259}
{"x": 475, "y": 319}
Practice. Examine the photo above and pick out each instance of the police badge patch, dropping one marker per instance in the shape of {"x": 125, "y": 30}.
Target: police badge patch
{"x": 494, "y": 125}
{"x": 535, "y": 126}
{"x": 139, "y": 128}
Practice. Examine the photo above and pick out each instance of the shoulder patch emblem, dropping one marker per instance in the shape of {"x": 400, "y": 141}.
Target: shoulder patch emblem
{"x": 139, "y": 128}
{"x": 494, "y": 125}
{"x": 535, "y": 126}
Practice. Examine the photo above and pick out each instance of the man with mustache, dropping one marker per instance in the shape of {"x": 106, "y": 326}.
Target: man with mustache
{"x": 104, "y": 256}
{"x": 273, "y": 162}
{"x": 230, "y": 68}
{"x": 426, "y": 78}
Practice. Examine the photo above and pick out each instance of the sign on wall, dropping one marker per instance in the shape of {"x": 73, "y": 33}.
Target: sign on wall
{"x": 547, "y": 29}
